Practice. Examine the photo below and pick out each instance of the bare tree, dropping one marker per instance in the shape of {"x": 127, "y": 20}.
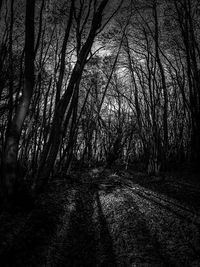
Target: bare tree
{"x": 14, "y": 132}
{"x": 60, "y": 116}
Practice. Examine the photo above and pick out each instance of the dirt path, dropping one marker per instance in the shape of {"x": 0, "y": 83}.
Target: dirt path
{"x": 110, "y": 222}
{"x": 129, "y": 225}
{"x": 148, "y": 229}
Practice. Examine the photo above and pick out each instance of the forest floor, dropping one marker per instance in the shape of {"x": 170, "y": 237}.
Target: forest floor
{"x": 108, "y": 218}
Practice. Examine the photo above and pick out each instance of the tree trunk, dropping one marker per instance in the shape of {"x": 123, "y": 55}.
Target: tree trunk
{"x": 14, "y": 132}
{"x": 53, "y": 144}
{"x": 191, "y": 49}
{"x": 1, "y": 2}
{"x": 164, "y": 86}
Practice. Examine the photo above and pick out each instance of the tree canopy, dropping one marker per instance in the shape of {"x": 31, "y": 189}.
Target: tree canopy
{"x": 89, "y": 82}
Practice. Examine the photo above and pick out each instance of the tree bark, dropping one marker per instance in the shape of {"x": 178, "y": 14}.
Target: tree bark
{"x": 1, "y": 2}
{"x": 14, "y": 132}
{"x": 162, "y": 73}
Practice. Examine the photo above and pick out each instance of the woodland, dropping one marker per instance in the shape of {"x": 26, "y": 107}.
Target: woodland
{"x": 99, "y": 133}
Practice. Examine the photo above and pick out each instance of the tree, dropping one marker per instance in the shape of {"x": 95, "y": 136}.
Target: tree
{"x": 186, "y": 20}
{"x": 61, "y": 118}
{"x": 15, "y": 128}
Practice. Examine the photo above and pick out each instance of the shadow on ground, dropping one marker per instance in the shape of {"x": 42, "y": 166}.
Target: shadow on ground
{"x": 101, "y": 223}
{"x": 88, "y": 242}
